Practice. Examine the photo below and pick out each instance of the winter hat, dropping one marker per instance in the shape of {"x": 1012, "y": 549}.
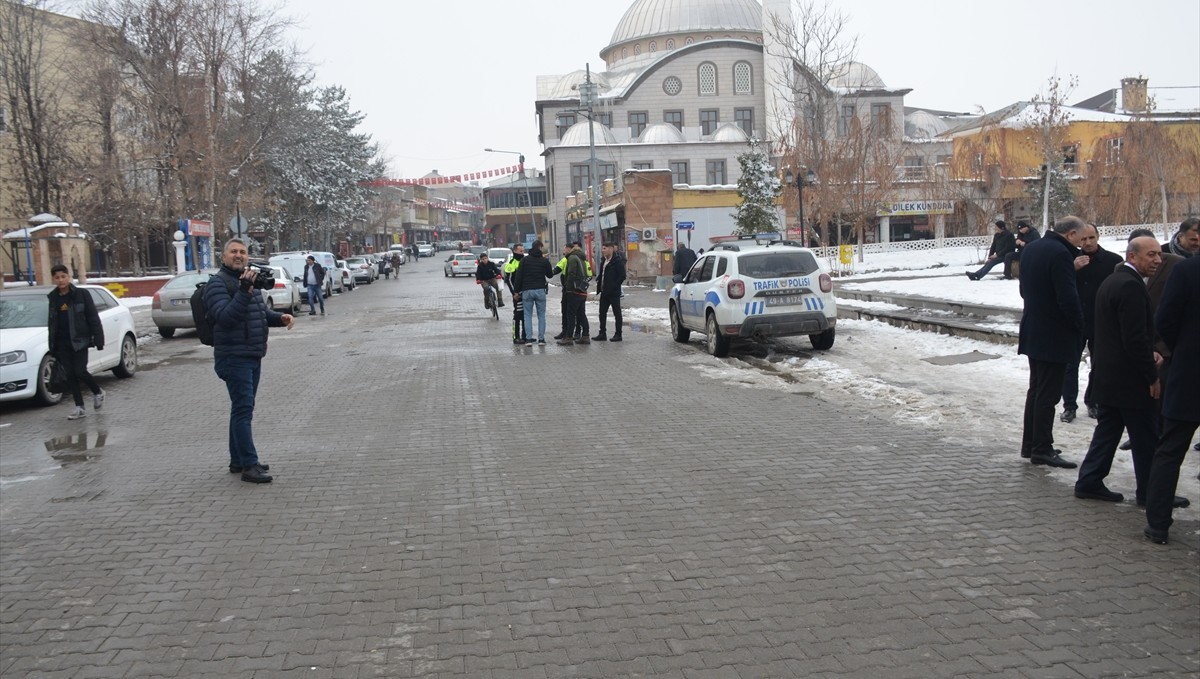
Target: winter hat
{"x": 1000, "y": 223}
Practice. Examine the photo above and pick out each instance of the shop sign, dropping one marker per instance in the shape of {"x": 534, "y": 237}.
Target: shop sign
{"x": 916, "y": 207}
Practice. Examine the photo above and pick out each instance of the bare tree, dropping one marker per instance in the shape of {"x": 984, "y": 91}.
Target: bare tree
{"x": 1047, "y": 115}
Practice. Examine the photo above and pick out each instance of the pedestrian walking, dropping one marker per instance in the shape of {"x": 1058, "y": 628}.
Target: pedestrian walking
{"x": 1003, "y": 242}
{"x": 1050, "y": 334}
{"x": 1093, "y": 264}
{"x": 1178, "y": 323}
{"x": 241, "y": 322}
{"x": 1125, "y": 368}
{"x": 314, "y": 279}
{"x": 608, "y": 286}
{"x": 396, "y": 265}
{"x": 531, "y": 283}
{"x": 74, "y": 325}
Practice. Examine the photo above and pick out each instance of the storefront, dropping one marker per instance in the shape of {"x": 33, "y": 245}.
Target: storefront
{"x": 908, "y": 220}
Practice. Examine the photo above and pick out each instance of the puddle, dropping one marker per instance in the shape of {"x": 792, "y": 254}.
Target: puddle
{"x": 75, "y": 448}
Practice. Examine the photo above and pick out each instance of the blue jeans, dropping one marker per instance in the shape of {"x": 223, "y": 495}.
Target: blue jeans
{"x": 987, "y": 266}
{"x": 315, "y": 293}
{"x": 240, "y": 374}
{"x": 531, "y": 299}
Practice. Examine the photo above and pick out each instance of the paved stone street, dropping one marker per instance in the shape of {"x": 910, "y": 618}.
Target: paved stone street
{"x": 448, "y": 505}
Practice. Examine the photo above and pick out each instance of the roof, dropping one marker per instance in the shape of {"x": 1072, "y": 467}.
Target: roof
{"x": 649, "y": 18}
{"x": 1168, "y": 100}
{"x": 1026, "y": 114}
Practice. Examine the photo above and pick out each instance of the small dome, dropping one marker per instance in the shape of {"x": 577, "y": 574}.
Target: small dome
{"x": 661, "y": 133}
{"x": 578, "y": 134}
{"x": 923, "y": 125}
{"x": 730, "y": 132}
{"x": 858, "y": 76}
{"x": 567, "y": 86}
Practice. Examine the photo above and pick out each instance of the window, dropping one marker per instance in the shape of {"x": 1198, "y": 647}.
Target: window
{"x": 604, "y": 118}
{"x": 637, "y": 49}
{"x": 637, "y": 122}
{"x": 709, "y": 119}
{"x": 846, "y": 119}
{"x": 945, "y": 159}
{"x": 672, "y": 85}
{"x": 722, "y": 266}
{"x": 643, "y": 165}
{"x": 1070, "y": 155}
{"x": 653, "y": 47}
{"x": 881, "y": 118}
{"x": 977, "y": 163}
{"x": 704, "y": 269}
{"x": 743, "y": 80}
{"x": 688, "y": 41}
{"x": 744, "y": 117}
{"x": 714, "y": 171}
{"x": 1114, "y": 150}
{"x": 579, "y": 177}
{"x": 914, "y": 167}
{"x": 679, "y": 172}
{"x": 564, "y": 123}
{"x": 708, "y": 78}
{"x": 606, "y": 171}
{"x": 674, "y": 118}
{"x": 670, "y": 44}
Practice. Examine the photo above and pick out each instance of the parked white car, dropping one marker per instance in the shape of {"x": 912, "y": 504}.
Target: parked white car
{"x": 285, "y": 296}
{"x": 25, "y": 342}
{"x": 756, "y": 289}
{"x": 347, "y": 277}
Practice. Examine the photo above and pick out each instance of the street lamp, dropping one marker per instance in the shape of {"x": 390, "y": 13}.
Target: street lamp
{"x": 806, "y": 178}
{"x": 532, "y": 219}
{"x": 589, "y": 93}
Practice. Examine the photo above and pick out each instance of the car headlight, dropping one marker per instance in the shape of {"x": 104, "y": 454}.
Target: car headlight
{"x": 13, "y": 357}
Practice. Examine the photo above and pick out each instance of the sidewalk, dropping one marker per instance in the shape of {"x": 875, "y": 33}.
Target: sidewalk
{"x": 447, "y": 505}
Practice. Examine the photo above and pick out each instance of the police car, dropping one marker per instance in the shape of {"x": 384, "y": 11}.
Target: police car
{"x": 754, "y": 287}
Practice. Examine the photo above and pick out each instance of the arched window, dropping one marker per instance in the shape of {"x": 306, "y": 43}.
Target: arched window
{"x": 688, "y": 41}
{"x": 671, "y": 44}
{"x": 653, "y": 47}
{"x": 623, "y": 53}
{"x": 708, "y": 78}
{"x": 637, "y": 49}
{"x": 743, "y": 78}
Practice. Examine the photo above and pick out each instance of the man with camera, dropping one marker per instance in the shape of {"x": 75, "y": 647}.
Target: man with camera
{"x": 240, "y": 320}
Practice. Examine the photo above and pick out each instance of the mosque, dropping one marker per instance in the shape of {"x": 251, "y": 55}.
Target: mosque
{"x": 684, "y": 85}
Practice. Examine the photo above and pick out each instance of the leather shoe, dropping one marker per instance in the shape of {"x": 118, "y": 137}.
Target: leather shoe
{"x": 1025, "y": 453}
{"x": 584, "y": 340}
{"x": 614, "y": 338}
{"x": 1158, "y": 537}
{"x": 237, "y": 468}
{"x": 1093, "y": 412}
{"x": 1068, "y": 416}
{"x": 1054, "y": 460}
{"x": 602, "y": 337}
{"x": 1179, "y": 502}
{"x": 1099, "y": 493}
{"x": 255, "y": 474}
{"x": 972, "y": 276}
{"x": 560, "y": 336}
{"x": 565, "y": 341}
{"x": 1126, "y": 445}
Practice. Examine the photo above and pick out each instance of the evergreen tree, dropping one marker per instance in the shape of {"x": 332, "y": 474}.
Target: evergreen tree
{"x": 1062, "y": 198}
{"x": 759, "y": 187}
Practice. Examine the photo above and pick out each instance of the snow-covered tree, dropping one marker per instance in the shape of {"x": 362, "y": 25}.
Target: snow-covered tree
{"x": 759, "y": 188}
{"x": 1060, "y": 200}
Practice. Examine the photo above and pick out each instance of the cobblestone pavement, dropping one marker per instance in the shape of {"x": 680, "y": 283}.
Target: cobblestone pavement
{"x": 448, "y": 505}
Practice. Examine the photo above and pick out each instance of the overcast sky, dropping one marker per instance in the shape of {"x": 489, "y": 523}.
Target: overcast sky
{"x": 440, "y": 81}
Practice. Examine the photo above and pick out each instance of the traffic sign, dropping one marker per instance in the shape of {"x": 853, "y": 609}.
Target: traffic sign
{"x": 238, "y": 226}
{"x": 685, "y": 226}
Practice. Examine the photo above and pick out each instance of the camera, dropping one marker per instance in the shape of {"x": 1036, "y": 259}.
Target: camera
{"x": 265, "y": 279}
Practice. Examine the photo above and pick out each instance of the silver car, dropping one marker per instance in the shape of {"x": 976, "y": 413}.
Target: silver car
{"x": 171, "y": 306}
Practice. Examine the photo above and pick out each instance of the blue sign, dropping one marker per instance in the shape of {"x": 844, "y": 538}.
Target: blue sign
{"x": 685, "y": 226}
{"x": 634, "y": 236}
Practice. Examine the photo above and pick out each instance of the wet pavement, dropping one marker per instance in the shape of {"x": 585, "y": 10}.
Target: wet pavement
{"x": 449, "y": 505}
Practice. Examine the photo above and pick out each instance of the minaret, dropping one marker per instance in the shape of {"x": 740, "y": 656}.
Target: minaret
{"x": 778, "y": 74}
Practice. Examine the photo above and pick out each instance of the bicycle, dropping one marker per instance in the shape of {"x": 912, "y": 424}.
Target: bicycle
{"x": 490, "y": 299}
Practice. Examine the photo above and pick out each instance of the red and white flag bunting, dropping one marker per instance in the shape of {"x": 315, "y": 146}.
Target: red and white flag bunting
{"x": 443, "y": 180}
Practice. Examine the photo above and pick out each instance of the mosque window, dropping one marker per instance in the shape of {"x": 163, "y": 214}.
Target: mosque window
{"x": 679, "y": 172}
{"x": 708, "y": 37}
{"x": 709, "y": 119}
{"x": 672, "y": 85}
{"x": 744, "y": 117}
{"x": 579, "y": 177}
{"x": 714, "y": 172}
{"x": 637, "y": 123}
{"x": 671, "y": 44}
{"x": 564, "y": 122}
{"x": 674, "y": 118}
{"x": 637, "y": 49}
{"x": 653, "y": 47}
{"x": 624, "y": 53}
{"x": 688, "y": 41}
{"x": 643, "y": 165}
{"x": 708, "y": 78}
{"x": 743, "y": 81}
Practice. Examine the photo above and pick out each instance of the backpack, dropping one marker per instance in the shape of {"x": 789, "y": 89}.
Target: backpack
{"x": 200, "y": 315}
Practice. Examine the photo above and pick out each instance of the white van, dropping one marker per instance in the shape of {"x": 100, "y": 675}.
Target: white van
{"x": 295, "y": 262}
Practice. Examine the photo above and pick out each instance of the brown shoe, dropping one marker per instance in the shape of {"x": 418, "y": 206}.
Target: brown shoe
{"x": 566, "y": 341}
{"x": 584, "y": 340}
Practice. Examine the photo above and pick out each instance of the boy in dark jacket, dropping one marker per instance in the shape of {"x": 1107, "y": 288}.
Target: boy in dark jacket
{"x": 487, "y": 274}
{"x": 74, "y": 326}
{"x": 608, "y": 285}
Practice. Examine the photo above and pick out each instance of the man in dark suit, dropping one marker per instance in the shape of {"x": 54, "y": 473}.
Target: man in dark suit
{"x": 1026, "y": 234}
{"x": 1051, "y": 333}
{"x": 1178, "y": 324}
{"x": 1092, "y": 265}
{"x": 1125, "y": 367}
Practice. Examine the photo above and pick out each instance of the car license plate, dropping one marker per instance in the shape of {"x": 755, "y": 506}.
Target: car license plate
{"x": 181, "y": 302}
{"x": 785, "y": 300}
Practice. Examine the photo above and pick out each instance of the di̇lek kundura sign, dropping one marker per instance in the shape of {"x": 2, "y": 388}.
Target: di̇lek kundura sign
{"x": 902, "y": 208}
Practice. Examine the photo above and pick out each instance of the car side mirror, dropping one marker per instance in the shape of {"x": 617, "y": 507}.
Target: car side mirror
{"x": 297, "y": 279}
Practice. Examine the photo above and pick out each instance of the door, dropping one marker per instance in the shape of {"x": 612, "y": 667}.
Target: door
{"x": 697, "y": 283}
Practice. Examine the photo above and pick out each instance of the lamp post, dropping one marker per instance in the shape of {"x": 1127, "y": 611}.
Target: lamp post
{"x": 532, "y": 219}
{"x": 806, "y": 177}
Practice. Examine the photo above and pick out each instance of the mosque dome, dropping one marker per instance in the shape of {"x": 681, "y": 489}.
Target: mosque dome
{"x": 923, "y": 125}
{"x": 730, "y": 132}
{"x": 857, "y": 76}
{"x": 577, "y": 135}
{"x": 661, "y": 133}
{"x": 647, "y": 19}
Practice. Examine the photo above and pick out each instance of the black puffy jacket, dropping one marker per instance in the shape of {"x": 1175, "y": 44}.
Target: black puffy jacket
{"x": 612, "y": 275}
{"x": 534, "y": 272}
{"x": 240, "y": 320}
{"x": 85, "y": 326}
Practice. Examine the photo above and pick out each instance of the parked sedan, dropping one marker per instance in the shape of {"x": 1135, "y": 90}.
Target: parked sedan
{"x": 460, "y": 263}
{"x": 362, "y": 269}
{"x": 171, "y": 306}
{"x": 347, "y": 277}
{"x": 25, "y": 342}
{"x": 285, "y": 296}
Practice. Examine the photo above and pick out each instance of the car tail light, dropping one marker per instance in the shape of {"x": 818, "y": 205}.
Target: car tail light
{"x": 156, "y": 302}
{"x": 826, "y": 283}
{"x": 736, "y": 288}
{"x": 279, "y": 285}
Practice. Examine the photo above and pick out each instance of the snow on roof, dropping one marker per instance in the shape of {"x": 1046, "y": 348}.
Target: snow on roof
{"x": 1026, "y": 114}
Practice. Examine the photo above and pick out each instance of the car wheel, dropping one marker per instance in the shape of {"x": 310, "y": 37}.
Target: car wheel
{"x": 445, "y": 273}
{"x": 680, "y": 333}
{"x": 717, "y": 344}
{"x": 167, "y": 333}
{"x": 822, "y": 341}
{"x": 270, "y": 303}
{"x": 44, "y": 395}
{"x": 129, "y": 362}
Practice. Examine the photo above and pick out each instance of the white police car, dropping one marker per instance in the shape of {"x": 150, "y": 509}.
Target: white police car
{"x": 754, "y": 287}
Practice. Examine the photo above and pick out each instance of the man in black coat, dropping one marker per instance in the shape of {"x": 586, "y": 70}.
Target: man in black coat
{"x": 608, "y": 285}
{"x": 1092, "y": 266}
{"x": 1003, "y": 243}
{"x": 1051, "y": 334}
{"x": 1125, "y": 367}
{"x": 1026, "y": 234}
{"x": 685, "y": 257}
{"x": 1178, "y": 324}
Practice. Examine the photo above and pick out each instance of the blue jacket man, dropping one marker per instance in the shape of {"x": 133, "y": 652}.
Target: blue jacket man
{"x": 240, "y": 326}
{"x": 1051, "y": 333}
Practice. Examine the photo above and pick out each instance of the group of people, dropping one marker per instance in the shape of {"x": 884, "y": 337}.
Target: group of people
{"x": 527, "y": 276}
{"x": 1006, "y": 248}
{"x": 1139, "y": 318}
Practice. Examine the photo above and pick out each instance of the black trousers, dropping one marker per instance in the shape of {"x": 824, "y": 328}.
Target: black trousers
{"x": 574, "y": 319}
{"x": 1110, "y": 424}
{"x": 1045, "y": 388}
{"x": 75, "y": 364}
{"x": 1164, "y": 471}
{"x": 613, "y": 302}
